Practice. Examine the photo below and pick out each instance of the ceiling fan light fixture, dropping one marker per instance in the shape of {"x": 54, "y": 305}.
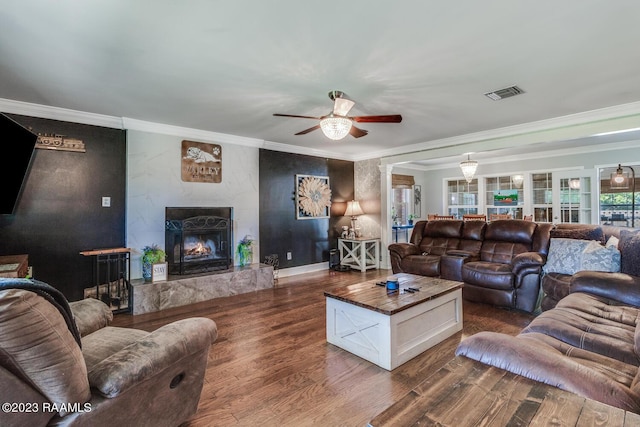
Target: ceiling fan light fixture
{"x": 468, "y": 168}
{"x": 335, "y": 127}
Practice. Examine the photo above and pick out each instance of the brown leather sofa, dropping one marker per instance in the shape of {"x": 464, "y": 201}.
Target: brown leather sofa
{"x": 589, "y": 343}
{"x": 499, "y": 262}
{"x": 62, "y": 364}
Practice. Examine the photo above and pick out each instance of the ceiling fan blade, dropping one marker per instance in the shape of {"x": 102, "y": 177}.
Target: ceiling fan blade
{"x": 342, "y": 106}
{"x": 308, "y": 130}
{"x": 357, "y": 133}
{"x": 294, "y": 115}
{"x": 392, "y": 118}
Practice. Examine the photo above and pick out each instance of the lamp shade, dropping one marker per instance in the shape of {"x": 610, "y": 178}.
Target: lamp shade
{"x": 335, "y": 127}
{"x": 353, "y": 209}
{"x": 468, "y": 168}
{"x": 620, "y": 179}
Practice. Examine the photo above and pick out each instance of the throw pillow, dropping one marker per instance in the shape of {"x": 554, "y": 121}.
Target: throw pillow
{"x": 565, "y": 255}
{"x": 630, "y": 252}
{"x": 578, "y": 232}
{"x": 596, "y": 257}
{"x": 613, "y": 241}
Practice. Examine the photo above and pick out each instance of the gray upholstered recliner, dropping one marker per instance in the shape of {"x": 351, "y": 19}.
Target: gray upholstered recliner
{"x": 61, "y": 364}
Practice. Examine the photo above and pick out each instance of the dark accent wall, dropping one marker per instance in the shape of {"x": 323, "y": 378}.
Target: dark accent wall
{"x": 59, "y": 213}
{"x": 309, "y": 240}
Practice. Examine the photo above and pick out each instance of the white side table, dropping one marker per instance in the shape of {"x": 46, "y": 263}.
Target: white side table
{"x": 360, "y": 253}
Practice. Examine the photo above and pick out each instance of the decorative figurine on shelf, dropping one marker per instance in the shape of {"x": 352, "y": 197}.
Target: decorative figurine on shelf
{"x": 345, "y": 232}
{"x": 352, "y": 233}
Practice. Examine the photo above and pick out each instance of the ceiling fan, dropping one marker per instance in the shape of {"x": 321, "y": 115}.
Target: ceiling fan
{"x": 336, "y": 125}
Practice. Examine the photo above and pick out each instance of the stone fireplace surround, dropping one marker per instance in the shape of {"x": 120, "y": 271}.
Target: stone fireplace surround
{"x": 182, "y": 290}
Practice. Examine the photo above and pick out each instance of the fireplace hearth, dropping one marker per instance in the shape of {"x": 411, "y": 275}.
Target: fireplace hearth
{"x": 198, "y": 240}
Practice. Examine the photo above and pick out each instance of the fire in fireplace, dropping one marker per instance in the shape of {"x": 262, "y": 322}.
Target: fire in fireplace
{"x": 198, "y": 240}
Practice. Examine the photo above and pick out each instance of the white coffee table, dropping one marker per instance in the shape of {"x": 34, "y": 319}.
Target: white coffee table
{"x": 390, "y": 329}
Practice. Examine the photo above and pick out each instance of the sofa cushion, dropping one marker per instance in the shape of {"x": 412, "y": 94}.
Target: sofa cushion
{"x": 90, "y": 315}
{"x": 513, "y": 231}
{"x": 612, "y": 241}
{"x": 629, "y": 246}
{"x": 568, "y": 256}
{"x": 565, "y": 255}
{"x": 440, "y": 236}
{"x": 488, "y": 274}
{"x": 593, "y": 324}
{"x": 578, "y": 232}
{"x": 424, "y": 265}
{"x": 107, "y": 341}
{"x": 37, "y": 346}
{"x": 596, "y": 257}
{"x": 620, "y": 372}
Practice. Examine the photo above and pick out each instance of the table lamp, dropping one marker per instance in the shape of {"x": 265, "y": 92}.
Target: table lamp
{"x": 353, "y": 210}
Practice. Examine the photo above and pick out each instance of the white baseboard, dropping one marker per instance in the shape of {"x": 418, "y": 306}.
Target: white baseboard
{"x": 310, "y": 268}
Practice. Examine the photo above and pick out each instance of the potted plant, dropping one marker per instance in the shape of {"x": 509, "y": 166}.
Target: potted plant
{"x": 245, "y": 251}
{"x": 394, "y": 216}
{"x": 151, "y": 255}
{"x": 410, "y": 220}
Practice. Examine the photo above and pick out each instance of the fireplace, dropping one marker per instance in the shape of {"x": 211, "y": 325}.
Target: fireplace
{"x": 198, "y": 240}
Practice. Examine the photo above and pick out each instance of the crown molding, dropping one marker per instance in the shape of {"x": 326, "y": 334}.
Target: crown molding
{"x": 144, "y": 126}
{"x": 57, "y": 113}
{"x": 294, "y": 149}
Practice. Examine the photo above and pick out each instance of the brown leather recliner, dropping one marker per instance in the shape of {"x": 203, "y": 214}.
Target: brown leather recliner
{"x": 61, "y": 364}
{"x": 507, "y": 273}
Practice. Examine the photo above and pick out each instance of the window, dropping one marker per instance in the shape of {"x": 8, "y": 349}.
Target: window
{"x": 402, "y": 203}
{"x": 616, "y": 203}
{"x": 462, "y": 197}
{"x": 542, "y": 197}
{"x": 503, "y": 196}
{"x": 402, "y": 197}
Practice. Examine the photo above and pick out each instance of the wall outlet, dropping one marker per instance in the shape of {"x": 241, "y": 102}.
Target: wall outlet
{"x": 106, "y": 202}
{"x": 289, "y": 256}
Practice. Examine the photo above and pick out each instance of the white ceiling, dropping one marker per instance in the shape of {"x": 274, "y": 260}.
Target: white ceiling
{"x": 227, "y": 66}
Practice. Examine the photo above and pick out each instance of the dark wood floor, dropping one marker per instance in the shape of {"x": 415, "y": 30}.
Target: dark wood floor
{"x": 271, "y": 364}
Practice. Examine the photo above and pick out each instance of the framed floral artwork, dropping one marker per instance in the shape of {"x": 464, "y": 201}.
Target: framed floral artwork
{"x": 313, "y": 197}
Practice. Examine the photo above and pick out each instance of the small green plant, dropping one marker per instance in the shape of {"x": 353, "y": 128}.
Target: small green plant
{"x": 153, "y": 254}
{"x": 394, "y": 215}
{"x": 245, "y": 251}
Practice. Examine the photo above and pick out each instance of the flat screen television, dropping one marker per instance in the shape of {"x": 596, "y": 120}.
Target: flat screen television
{"x": 18, "y": 144}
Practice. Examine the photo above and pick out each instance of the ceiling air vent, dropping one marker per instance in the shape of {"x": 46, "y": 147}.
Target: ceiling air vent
{"x": 507, "y": 92}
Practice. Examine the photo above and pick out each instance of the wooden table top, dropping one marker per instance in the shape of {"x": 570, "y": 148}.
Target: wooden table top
{"x": 373, "y": 297}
